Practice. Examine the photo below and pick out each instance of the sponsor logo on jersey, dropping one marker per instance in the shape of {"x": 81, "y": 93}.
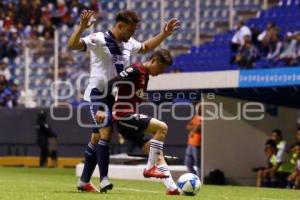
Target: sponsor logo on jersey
{"x": 140, "y": 93}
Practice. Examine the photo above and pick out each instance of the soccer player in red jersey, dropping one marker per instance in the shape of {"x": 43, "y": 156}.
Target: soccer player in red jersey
{"x": 133, "y": 126}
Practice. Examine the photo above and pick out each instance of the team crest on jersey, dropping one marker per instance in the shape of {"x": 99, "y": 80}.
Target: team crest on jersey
{"x": 129, "y": 69}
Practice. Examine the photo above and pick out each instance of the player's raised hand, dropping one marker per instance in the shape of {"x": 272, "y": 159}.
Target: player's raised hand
{"x": 170, "y": 26}
{"x": 85, "y": 19}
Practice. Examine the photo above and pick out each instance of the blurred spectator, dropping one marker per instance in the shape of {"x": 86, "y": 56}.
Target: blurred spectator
{"x": 293, "y": 150}
{"x": 47, "y": 12}
{"x": 4, "y": 70}
{"x": 298, "y": 134}
{"x": 3, "y": 45}
{"x": 48, "y": 30}
{"x": 23, "y": 12}
{"x": 289, "y": 50}
{"x": 238, "y": 39}
{"x": 298, "y": 47}
{"x": 3, "y": 80}
{"x": 192, "y": 154}
{"x": 267, "y": 36}
{"x": 46, "y": 140}
{"x": 281, "y": 145}
{"x": 276, "y": 173}
{"x": 240, "y": 34}
{"x": 274, "y": 48}
{"x": 14, "y": 94}
{"x": 61, "y": 14}
{"x": 263, "y": 174}
{"x": 247, "y": 54}
{"x": 5, "y": 96}
{"x": 97, "y": 8}
{"x": 255, "y": 33}
{"x": 294, "y": 178}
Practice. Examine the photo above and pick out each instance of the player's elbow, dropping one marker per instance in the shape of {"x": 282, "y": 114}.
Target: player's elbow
{"x": 145, "y": 48}
{"x": 70, "y": 45}
{"x": 73, "y": 46}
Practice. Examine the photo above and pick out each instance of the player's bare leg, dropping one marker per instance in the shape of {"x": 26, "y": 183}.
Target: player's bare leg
{"x": 297, "y": 181}
{"x": 159, "y": 131}
{"x": 163, "y": 167}
{"x": 259, "y": 178}
{"x": 84, "y": 183}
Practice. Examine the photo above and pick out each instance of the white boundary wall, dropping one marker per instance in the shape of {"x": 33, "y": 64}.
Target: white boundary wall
{"x": 130, "y": 172}
{"x": 195, "y": 80}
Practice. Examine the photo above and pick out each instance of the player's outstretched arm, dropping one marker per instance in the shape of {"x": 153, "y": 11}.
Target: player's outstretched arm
{"x": 74, "y": 43}
{"x": 154, "y": 42}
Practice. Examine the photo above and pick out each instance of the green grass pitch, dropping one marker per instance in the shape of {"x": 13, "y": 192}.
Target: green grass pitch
{"x": 59, "y": 184}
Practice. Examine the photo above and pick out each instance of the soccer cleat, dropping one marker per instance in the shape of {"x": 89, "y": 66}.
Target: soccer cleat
{"x": 86, "y": 187}
{"x": 154, "y": 172}
{"x": 105, "y": 185}
{"x": 173, "y": 192}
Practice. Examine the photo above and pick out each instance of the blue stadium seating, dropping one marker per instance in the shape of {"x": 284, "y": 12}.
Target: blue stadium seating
{"x": 211, "y": 56}
{"x": 215, "y": 55}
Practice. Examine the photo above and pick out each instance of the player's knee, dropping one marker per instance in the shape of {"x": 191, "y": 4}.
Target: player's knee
{"x": 163, "y": 128}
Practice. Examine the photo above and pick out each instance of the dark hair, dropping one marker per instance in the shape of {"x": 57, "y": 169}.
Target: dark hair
{"x": 163, "y": 56}
{"x": 294, "y": 145}
{"x": 297, "y": 144}
{"x": 241, "y": 22}
{"x": 271, "y": 143}
{"x": 278, "y": 131}
{"x": 272, "y": 23}
{"x": 127, "y": 16}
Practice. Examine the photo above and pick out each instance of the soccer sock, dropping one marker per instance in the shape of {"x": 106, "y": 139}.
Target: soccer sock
{"x": 168, "y": 182}
{"x": 103, "y": 157}
{"x": 89, "y": 163}
{"x": 155, "y": 148}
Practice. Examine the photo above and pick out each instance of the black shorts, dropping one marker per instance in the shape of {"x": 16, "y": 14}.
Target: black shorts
{"x": 94, "y": 107}
{"x": 132, "y": 128}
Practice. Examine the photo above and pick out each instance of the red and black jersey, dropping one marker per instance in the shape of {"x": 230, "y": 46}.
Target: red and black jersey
{"x": 129, "y": 96}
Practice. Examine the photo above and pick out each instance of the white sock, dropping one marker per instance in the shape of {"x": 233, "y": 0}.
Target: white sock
{"x": 155, "y": 148}
{"x": 168, "y": 182}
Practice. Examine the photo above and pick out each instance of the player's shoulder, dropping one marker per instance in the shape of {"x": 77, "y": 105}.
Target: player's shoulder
{"x": 97, "y": 36}
{"x": 131, "y": 42}
{"x": 133, "y": 68}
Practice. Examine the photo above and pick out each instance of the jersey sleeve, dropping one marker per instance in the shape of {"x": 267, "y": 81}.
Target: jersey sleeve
{"x": 129, "y": 74}
{"x": 90, "y": 42}
{"x": 135, "y": 46}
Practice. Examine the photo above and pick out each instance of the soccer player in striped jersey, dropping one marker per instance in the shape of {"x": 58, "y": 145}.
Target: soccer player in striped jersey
{"x": 110, "y": 52}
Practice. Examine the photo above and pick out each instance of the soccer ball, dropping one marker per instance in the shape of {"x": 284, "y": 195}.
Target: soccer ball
{"x": 189, "y": 184}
